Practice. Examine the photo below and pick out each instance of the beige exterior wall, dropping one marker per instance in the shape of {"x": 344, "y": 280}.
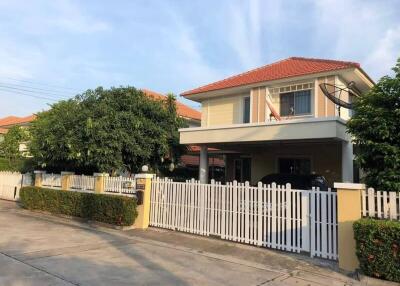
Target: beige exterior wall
{"x": 258, "y": 104}
{"x": 326, "y": 108}
{"x": 344, "y": 112}
{"x": 325, "y": 160}
{"x": 204, "y": 114}
{"x": 229, "y": 109}
{"x": 223, "y": 110}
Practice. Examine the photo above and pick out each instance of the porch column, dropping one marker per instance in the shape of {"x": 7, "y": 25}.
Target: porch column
{"x": 203, "y": 168}
{"x": 347, "y": 161}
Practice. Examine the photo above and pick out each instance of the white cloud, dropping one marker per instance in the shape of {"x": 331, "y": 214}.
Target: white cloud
{"x": 17, "y": 62}
{"x": 38, "y": 32}
{"x": 385, "y": 53}
{"x": 363, "y": 31}
{"x": 71, "y": 17}
{"x": 51, "y": 17}
{"x": 190, "y": 65}
{"x": 32, "y": 38}
{"x": 244, "y": 31}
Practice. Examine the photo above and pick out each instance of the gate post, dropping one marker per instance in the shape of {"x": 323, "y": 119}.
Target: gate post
{"x": 143, "y": 189}
{"x": 100, "y": 182}
{"x": 39, "y": 178}
{"x": 348, "y": 211}
{"x": 66, "y": 180}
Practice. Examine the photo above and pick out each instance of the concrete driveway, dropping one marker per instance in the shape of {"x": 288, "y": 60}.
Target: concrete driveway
{"x": 39, "y": 249}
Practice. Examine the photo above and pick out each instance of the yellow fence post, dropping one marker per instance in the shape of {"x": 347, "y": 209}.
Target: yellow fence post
{"x": 100, "y": 182}
{"x": 143, "y": 189}
{"x": 348, "y": 211}
{"x": 66, "y": 180}
{"x": 39, "y": 178}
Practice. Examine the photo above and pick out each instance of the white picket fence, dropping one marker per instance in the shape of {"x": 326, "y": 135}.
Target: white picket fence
{"x": 11, "y": 183}
{"x": 82, "y": 183}
{"x": 51, "y": 181}
{"x": 270, "y": 216}
{"x": 120, "y": 185}
{"x": 379, "y": 204}
{"x": 114, "y": 185}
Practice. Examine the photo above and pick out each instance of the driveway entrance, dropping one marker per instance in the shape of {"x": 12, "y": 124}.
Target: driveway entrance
{"x": 38, "y": 249}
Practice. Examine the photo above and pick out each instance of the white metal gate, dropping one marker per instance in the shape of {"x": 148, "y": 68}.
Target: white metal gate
{"x": 10, "y": 184}
{"x": 267, "y": 215}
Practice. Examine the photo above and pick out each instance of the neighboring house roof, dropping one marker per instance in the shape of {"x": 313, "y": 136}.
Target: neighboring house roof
{"x": 14, "y": 120}
{"x": 290, "y": 67}
{"x": 182, "y": 109}
{"x": 196, "y": 149}
{"x": 193, "y": 160}
{"x": 3, "y": 130}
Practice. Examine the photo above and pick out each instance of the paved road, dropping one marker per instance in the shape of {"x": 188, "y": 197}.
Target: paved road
{"x": 38, "y": 249}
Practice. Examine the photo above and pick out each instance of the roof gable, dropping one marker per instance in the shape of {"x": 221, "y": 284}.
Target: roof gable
{"x": 290, "y": 67}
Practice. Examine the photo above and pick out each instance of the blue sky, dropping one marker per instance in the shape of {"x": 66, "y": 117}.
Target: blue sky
{"x": 64, "y": 47}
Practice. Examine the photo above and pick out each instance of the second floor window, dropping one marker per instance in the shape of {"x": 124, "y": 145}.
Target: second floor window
{"x": 246, "y": 110}
{"x": 295, "y": 103}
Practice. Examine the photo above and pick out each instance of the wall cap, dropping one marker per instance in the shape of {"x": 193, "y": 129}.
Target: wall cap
{"x": 39, "y": 172}
{"x": 67, "y": 173}
{"x": 349, "y": 186}
{"x": 101, "y": 175}
{"x": 144, "y": 176}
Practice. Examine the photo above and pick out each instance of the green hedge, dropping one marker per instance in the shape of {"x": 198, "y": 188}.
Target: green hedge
{"x": 112, "y": 209}
{"x": 23, "y": 165}
{"x": 378, "y": 248}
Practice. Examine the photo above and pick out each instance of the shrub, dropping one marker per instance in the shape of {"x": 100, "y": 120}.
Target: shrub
{"x": 112, "y": 209}
{"x": 23, "y": 165}
{"x": 378, "y": 248}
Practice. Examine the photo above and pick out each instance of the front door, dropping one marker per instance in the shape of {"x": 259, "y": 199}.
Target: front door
{"x": 243, "y": 170}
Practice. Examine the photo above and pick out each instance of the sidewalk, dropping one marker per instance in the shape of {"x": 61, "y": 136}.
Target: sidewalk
{"x": 39, "y": 249}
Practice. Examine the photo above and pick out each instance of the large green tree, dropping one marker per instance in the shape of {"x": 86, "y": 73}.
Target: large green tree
{"x": 376, "y": 130}
{"x": 106, "y": 130}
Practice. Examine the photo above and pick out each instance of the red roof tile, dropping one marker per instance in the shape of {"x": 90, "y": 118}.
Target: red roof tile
{"x": 290, "y": 67}
{"x": 3, "y": 130}
{"x": 14, "y": 120}
{"x": 182, "y": 109}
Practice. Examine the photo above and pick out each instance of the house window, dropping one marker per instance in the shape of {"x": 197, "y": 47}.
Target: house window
{"x": 299, "y": 166}
{"x": 246, "y": 109}
{"x": 243, "y": 170}
{"x": 295, "y": 103}
{"x": 352, "y": 98}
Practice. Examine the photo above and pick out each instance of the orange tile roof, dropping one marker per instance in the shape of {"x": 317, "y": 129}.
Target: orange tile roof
{"x": 290, "y": 67}
{"x": 196, "y": 149}
{"x": 182, "y": 109}
{"x": 3, "y": 130}
{"x": 14, "y": 120}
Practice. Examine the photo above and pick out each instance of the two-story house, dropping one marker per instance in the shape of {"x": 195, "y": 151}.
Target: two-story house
{"x": 276, "y": 119}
